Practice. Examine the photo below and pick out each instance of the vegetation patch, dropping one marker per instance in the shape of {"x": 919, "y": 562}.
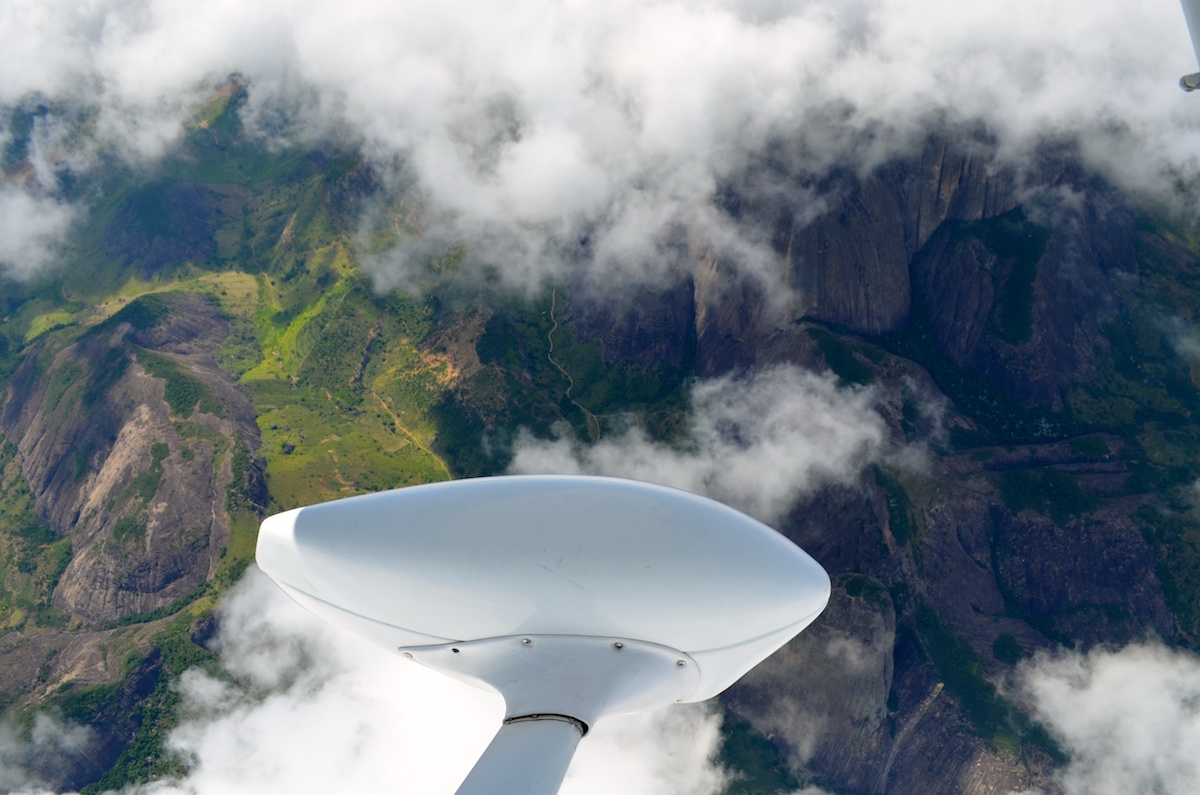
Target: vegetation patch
{"x": 870, "y": 590}
{"x": 47, "y": 322}
{"x": 1090, "y": 448}
{"x": 902, "y": 517}
{"x": 183, "y": 392}
{"x": 538, "y": 373}
{"x": 33, "y": 557}
{"x": 238, "y": 553}
{"x": 346, "y": 335}
{"x": 81, "y": 461}
{"x": 1007, "y": 650}
{"x": 1049, "y": 491}
{"x": 1175, "y": 539}
{"x": 142, "y": 313}
{"x": 757, "y": 764}
{"x": 335, "y": 453}
{"x": 237, "y": 295}
{"x": 993, "y": 717}
{"x": 105, "y": 374}
{"x": 1020, "y": 244}
{"x": 129, "y": 528}
{"x": 61, "y": 380}
{"x": 238, "y": 495}
{"x": 9, "y": 360}
{"x": 142, "y": 708}
{"x": 347, "y": 390}
{"x": 842, "y": 359}
{"x": 145, "y": 485}
{"x": 287, "y": 335}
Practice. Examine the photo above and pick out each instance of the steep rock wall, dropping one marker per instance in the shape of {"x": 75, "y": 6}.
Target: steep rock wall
{"x": 137, "y": 482}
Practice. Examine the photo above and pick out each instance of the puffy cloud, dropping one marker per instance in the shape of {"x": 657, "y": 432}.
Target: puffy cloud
{"x": 1130, "y": 719}
{"x": 303, "y": 708}
{"x": 758, "y": 442}
{"x": 535, "y": 124}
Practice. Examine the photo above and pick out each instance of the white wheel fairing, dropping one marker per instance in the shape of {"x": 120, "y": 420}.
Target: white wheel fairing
{"x": 550, "y": 555}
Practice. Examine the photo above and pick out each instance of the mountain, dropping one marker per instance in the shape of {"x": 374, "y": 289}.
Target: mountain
{"x": 212, "y": 351}
{"x": 1042, "y": 335}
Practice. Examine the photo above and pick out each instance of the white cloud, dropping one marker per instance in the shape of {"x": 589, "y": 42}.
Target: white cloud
{"x": 32, "y": 228}
{"x": 758, "y": 442}
{"x": 23, "y": 761}
{"x": 1130, "y": 719}
{"x": 531, "y": 124}
{"x": 304, "y": 708}
{"x": 1184, "y": 338}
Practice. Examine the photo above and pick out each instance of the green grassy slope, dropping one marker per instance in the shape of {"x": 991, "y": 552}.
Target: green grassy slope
{"x": 341, "y": 379}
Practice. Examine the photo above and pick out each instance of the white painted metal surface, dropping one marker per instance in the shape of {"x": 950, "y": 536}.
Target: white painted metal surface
{"x": 577, "y": 675}
{"x": 524, "y": 758}
{"x": 574, "y": 597}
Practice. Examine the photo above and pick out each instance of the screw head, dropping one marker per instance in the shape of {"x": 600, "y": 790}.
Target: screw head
{"x": 408, "y": 654}
{"x": 681, "y": 663}
{"x": 454, "y": 650}
{"x": 618, "y": 645}
{"x": 527, "y": 641}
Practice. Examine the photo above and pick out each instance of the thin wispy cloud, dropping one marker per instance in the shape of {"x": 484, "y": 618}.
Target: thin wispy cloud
{"x": 32, "y": 228}
{"x": 23, "y": 760}
{"x": 759, "y": 442}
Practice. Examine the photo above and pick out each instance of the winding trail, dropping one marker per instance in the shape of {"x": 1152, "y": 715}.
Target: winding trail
{"x": 412, "y": 437}
{"x": 593, "y": 424}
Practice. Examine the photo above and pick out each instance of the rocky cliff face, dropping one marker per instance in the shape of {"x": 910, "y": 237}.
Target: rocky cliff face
{"x": 851, "y": 265}
{"x": 1019, "y": 299}
{"x": 993, "y": 315}
{"x": 824, "y": 696}
{"x": 1022, "y": 301}
{"x": 127, "y": 436}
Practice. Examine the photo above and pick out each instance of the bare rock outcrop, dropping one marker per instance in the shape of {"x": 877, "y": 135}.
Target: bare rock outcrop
{"x": 1022, "y": 300}
{"x": 128, "y": 446}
